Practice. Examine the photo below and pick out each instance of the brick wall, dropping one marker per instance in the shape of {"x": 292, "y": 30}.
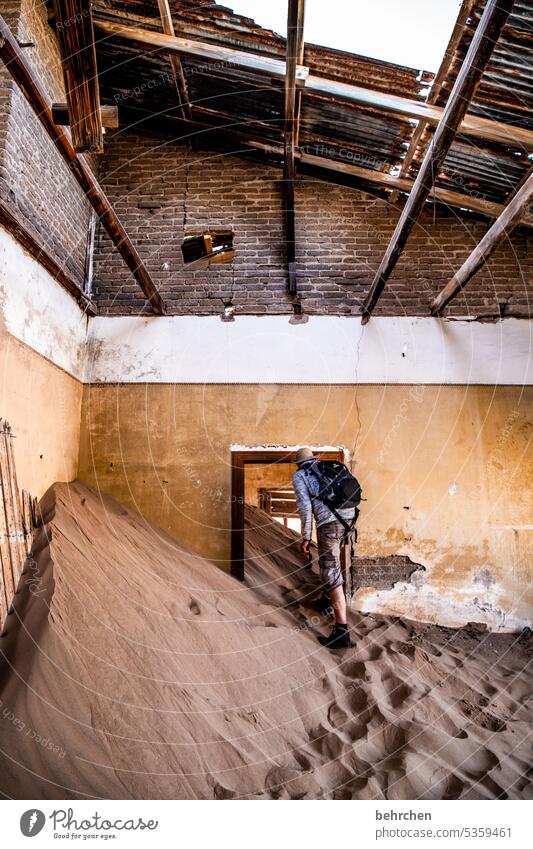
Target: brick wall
{"x": 34, "y": 180}
{"x": 383, "y": 573}
{"x": 163, "y": 191}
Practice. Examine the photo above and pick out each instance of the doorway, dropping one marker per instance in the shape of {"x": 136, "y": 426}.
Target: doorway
{"x": 248, "y": 458}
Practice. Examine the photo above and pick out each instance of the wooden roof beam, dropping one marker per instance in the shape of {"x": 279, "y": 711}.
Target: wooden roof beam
{"x": 175, "y": 61}
{"x": 438, "y": 84}
{"x": 300, "y": 52}
{"x": 485, "y": 38}
{"x": 379, "y": 179}
{"x": 275, "y": 68}
{"x": 108, "y": 115}
{"x": 295, "y": 46}
{"x": 500, "y": 230}
{"x": 31, "y": 241}
{"x": 15, "y": 62}
{"x": 74, "y": 28}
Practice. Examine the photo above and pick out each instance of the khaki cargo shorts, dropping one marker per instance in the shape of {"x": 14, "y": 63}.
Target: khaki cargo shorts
{"x": 329, "y": 538}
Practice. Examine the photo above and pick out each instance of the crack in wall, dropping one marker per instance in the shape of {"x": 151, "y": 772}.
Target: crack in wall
{"x": 356, "y": 403}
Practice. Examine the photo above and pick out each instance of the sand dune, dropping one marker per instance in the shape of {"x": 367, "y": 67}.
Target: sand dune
{"x": 133, "y": 668}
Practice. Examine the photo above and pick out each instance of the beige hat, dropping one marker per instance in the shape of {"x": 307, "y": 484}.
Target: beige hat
{"x": 304, "y": 454}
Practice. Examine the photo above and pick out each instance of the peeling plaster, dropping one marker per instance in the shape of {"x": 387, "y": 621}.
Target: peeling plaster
{"x": 325, "y": 350}
{"x": 485, "y": 578}
{"x": 253, "y": 349}
{"x": 426, "y": 605}
{"x": 36, "y": 310}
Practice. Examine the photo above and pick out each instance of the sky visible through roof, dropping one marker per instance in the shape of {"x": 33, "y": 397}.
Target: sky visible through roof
{"x": 408, "y": 32}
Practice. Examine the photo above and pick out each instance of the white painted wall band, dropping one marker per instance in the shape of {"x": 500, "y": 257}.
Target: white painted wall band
{"x": 324, "y": 350}
{"x": 253, "y": 349}
{"x": 36, "y": 310}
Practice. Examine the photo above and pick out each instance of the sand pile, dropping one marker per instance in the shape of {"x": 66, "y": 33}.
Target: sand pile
{"x": 133, "y": 668}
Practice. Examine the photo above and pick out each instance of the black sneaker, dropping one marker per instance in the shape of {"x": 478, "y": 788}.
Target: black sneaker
{"x": 339, "y": 638}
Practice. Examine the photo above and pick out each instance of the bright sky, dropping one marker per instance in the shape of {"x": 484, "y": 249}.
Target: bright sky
{"x": 407, "y": 32}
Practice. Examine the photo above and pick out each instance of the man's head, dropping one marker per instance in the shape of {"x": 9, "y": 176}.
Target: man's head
{"x": 304, "y": 455}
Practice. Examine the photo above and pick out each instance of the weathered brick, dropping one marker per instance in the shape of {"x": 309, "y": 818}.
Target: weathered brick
{"x": 36, "y": 183}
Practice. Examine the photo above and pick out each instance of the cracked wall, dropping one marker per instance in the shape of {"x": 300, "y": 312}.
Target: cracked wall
{"x": 446, "y": 475}
{"x": 42, "y": 357}
{"x": 162, "y": 190}
{"x": 35, "y": 183}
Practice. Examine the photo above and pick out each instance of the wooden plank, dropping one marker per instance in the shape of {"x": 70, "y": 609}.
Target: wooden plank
{"x": 472, "y": 125}
{"x": 402, "y": 184}
{"x": 284, "y": 494}
{"x": 3, "y": 599}
{"x": 295, "y": 42}
{"x": 36, "y": 517}
{"x": 30, "y": 241}
{"x": 500, "y": 230}
{"x": 300, "y": 53}
{"x": 7, "y": 524}
{"x": 177, "y": 68}
{"x": 27, "y": 519}
{"x": 284, "y": 508}
{"x": 485, "y": 38}
{"x": 108, "y": 115}
{"x": 382, "y": 101}
{"x": 190, "y": 47}
{"x": 18, "y": 545}
{"x": 75, "y": 33}
{"x": 437, "y": 85}
{"x": 237, "y": 516}
{"x": 16, "y": 63}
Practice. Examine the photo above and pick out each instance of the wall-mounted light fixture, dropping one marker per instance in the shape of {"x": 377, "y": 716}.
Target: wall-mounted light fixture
{"x": 228, "y": 313}
{"x": 207, "y": 248}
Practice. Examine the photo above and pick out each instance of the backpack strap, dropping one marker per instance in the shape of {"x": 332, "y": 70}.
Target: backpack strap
{"x": 349, "y": 527}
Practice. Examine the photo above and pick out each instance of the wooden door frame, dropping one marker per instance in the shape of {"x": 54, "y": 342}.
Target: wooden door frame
{"x": 252, "y": 456}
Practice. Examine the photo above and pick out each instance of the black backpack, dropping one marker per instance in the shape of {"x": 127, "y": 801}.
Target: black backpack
{"x": 339, "y": 489}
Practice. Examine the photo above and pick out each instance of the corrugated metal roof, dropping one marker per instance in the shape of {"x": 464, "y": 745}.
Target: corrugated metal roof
{"x": 255, "y": 106}
{"x": 504, "y": 94}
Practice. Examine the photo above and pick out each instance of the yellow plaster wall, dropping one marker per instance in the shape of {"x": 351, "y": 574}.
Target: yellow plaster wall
{"x": 42, "y": 403}
{"x": 446, "y": 472}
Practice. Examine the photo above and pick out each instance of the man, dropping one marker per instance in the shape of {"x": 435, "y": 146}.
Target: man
{"x": 330, "y": 534}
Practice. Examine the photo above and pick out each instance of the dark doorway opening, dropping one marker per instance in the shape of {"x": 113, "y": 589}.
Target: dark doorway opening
{"x": 239, "y": 461}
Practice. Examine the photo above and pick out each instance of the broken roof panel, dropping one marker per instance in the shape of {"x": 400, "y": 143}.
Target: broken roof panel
{"x": 253, "y": 103}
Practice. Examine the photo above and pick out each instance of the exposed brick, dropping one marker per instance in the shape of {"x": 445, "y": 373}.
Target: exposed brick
{"x": 34, "y": 180}
{"x": 341, "y": 236}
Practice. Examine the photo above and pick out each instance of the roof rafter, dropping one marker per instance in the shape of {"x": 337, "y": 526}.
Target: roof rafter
{"x": 227, "y": 132}
{"x": 74, "y": 28}
{"x": 175, "y": 61}
{"x": 438, "y": 84}
{"x": 276, "y": 69}
{"x": 295, "y": 50}
{"x": 502, "y": 228}
{"x": 15, "y": 62}
{"x": 485, "y": 38}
